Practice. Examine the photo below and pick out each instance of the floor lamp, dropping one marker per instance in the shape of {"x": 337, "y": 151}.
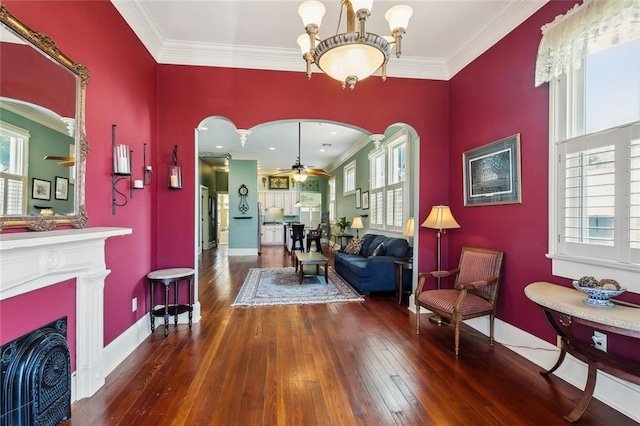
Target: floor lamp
{"x": 440, "y": 219}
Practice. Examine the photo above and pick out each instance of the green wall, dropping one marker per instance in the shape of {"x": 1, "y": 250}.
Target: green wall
{"x": 243, "y": 233}
{"x": 44, "y": 141}
{"x": 346, "y": 206}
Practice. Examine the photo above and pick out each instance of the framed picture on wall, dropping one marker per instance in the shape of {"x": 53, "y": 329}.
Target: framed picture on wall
{"x": 278, "y": 182}
{"x": 62, "y": 188}
{"x": 358, "y": 198}
{"x": 492, "y": 173}
{"x": 365, "y": 200}
{"x": 40, "y": 189}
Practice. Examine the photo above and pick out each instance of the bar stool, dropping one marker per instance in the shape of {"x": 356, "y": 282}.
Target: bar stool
{"x": 297, "y": 237}
{"x": 166, "y": 277}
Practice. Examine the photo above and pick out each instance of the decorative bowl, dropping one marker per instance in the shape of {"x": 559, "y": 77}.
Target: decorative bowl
{"x": 597, "y": 296}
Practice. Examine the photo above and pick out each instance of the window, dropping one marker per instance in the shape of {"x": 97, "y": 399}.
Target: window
{"x": 595, "y": 162}
{"x": 14, "y": 142}
{"x": 388, "y": 184}
{"x": 332, "y": 200}
{"x": 349, "y": 186}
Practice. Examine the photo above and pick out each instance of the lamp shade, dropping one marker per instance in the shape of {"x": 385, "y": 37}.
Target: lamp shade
{"x": 409, "y": 227}
{"x": 440, "y": 217}
{"x": 300, "y": 176}
{"x": 398, "y": 17}
{"x": 312, "y": 12}
{"x": 357, "y": 223}
{"x": 304, "y": 43}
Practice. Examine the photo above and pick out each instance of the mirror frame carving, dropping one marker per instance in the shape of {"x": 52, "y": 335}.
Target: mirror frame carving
{"x": 47, "y": 46}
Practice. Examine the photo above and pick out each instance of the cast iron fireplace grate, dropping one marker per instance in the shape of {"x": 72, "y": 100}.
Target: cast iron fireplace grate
{"x": 36, "y": 377}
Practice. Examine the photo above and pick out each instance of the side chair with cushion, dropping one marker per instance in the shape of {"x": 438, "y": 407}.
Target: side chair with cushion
{"x": 475, "y": 292}
{"x": 315, "y": 235}
{"x": 297, "y": 237}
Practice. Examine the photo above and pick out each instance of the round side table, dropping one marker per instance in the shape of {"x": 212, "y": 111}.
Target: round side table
{"x": 167, "y": 277}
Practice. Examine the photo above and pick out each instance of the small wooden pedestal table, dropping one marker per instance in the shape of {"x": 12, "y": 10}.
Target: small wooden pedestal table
{"x": 564, "y": 307}
{"x": 166, "y": 277}
{"x": 312, "y": 258}
{"x": 401, "y": 266}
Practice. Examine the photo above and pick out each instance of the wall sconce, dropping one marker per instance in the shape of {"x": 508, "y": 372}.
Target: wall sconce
{"x": 122, "y": 156}
{"x": 148, "y": 169}
{"x": 175, "y": 171}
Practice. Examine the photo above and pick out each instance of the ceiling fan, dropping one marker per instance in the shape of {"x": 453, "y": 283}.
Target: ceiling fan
{"x": 300, "y": 171}
{"x": 63, "y": 161}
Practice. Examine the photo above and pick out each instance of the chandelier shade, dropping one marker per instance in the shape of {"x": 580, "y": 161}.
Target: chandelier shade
{"x": 356, "y": 54}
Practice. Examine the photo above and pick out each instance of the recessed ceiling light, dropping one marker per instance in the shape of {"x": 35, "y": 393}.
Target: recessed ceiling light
{"x": 219, "y": 146}
{"x": 334, "y": 133}
{"x": 203, "y": 128}
{"x": 271, "y": 148}
{"x": 322, "y": 150}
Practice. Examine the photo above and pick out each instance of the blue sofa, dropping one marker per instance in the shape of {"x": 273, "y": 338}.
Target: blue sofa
{"x": 367, "y": 272}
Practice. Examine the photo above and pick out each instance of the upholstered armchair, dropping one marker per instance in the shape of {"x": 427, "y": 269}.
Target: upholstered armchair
{"x": 475, "y": 292}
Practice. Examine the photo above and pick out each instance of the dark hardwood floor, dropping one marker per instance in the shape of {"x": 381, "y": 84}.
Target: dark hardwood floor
{"x": 324, "y": 364}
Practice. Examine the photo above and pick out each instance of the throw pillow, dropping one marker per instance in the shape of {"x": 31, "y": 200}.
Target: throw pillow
{"x": 353, "y": 246}
{"x": 378, "y": 250}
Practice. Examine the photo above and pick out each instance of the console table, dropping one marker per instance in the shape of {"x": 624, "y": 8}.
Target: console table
{"x": 564, "y": 307}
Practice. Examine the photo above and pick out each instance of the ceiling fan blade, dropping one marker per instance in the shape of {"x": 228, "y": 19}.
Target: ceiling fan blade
{"x": 56, "y": 157}
{"x": 318, "y": 172}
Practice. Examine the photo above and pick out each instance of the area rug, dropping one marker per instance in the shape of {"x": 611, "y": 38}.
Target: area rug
{"x": 279, "y": 286}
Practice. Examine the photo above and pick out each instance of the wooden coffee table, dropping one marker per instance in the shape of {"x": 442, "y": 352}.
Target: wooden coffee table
{"x": 311, "y": 258}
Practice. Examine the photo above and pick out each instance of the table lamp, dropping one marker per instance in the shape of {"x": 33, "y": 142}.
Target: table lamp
{"x": 357, "y": 224}
{"x": 409, "y": 229}
{"x": 441, "y": 219}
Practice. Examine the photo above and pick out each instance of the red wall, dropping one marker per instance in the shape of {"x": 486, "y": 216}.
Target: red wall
{"x": 121, "y": 90}
{"x": 187, "y": 95}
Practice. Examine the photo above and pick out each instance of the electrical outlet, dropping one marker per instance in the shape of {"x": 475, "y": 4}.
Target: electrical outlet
{"x": 599, "y": 340}
{"x": 134, "y": 304}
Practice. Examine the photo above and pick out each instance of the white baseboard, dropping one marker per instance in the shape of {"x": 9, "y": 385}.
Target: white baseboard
{"x": 618, "y": 394}
{"x": 242, "y": 252}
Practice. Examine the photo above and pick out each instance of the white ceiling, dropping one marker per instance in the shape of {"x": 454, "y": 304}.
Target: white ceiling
{"x": 442, "y": 38}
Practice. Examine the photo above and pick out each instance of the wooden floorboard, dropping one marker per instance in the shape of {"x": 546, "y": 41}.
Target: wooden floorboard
{"x": 326, "y": 364}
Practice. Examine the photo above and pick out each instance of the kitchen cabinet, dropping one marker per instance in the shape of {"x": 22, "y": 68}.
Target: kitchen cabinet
{"x": 289, "y": 201}
{"x": 272, "y": 234}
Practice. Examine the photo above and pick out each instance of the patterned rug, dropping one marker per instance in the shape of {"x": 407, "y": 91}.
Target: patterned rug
{"x": 279, "y": 286}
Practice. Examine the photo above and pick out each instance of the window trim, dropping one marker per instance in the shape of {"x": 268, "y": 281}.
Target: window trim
{"x": 564, "y": 103}
{"x": 348, "y": 168}
{"x": 20, "y": 133}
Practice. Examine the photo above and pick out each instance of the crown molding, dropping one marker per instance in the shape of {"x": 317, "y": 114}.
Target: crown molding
{"x": 141, "y": 22}
{"x": 177, "y": 52}
{"x": 41, "y": 117}
{"x": 353, "y": 150}
{"x": 510, "y": 16}
{"x": 266, "y": 58}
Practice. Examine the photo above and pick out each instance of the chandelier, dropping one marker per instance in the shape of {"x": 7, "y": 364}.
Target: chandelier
{"x": 355, "y": 55}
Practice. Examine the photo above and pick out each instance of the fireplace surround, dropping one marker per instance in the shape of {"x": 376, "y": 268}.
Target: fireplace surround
{"x": 33, "y": 260}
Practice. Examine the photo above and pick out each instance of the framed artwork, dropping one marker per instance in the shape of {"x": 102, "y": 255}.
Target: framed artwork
{"x": 62, "y": 188}
{"x": 278, "y": 182}
{"x": 365, "y": 200}
{"x": 358, "y": 198}
{"x": 40, "y": 189}
{"x": 492, "y": 173}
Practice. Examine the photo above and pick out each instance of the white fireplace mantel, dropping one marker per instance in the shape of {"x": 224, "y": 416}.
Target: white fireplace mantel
{"x": 32, "y": 260}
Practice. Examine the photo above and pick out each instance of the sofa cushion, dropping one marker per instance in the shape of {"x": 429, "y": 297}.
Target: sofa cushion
{"x": 368, "y": 238}
{"x": 378, "y": 251}
{"x": 359, "y": 267}
{"x": 353, "y": 246}
{"x": 374, "y": 243}
{"x": 397, "y": 247}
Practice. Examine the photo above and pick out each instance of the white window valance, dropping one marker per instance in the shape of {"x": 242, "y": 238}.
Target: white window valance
{"x": 587, "y": 28}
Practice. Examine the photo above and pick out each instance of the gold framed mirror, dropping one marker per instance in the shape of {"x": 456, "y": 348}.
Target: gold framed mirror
{"x": 43, "y": 145}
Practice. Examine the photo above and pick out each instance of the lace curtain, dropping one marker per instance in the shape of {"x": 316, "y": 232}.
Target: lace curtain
{"x": 587, "y": 28}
